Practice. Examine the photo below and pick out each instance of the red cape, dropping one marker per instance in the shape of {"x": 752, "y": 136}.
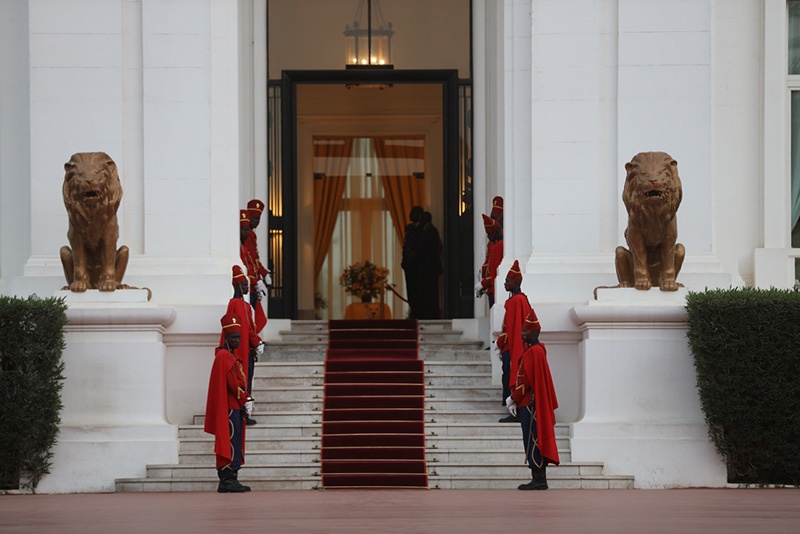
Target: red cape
{"x": 534, "y": 361}
{"x": 216, "y": 421}
{"x": 261, "y": 317}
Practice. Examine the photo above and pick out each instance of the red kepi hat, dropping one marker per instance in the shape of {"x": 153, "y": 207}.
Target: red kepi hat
{"x": 497, "y": 207}
{"x": 244, "y": 219}
{"x": 230, "y": 324}
{"x": 514, "y": 273}
{"x": 532, "y": 322}
{"x": 238, "y": 275}
{"x": 255, "y": 207}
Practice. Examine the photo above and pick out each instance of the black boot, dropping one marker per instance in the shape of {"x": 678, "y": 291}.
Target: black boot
{"x": 236, "y": 477}
{"x": 509, "y": 419}
{"x": 538, "y": 479}
{"x": 228, "y": 482}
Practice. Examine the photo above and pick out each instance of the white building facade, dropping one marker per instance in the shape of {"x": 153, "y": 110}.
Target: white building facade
{"x": 565, "y": 93}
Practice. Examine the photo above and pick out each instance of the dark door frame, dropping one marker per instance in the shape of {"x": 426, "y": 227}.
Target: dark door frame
{"x": 453, "y": 303}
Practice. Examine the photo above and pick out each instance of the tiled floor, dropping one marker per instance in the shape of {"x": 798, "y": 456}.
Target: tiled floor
{"x": 413, "y": 511}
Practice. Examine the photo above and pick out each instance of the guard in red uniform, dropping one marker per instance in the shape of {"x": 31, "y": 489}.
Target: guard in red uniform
{"x": 497, "y": 210}
{"x": 251, "y": 346}
{"x": 255, "y": 208}
{"x": 509, "y": 343}
{"x": 227, "y": 404}
{"x": 494, "y": 255}
{"x": 251, "y": 265}
{"x": 535, "y": 395}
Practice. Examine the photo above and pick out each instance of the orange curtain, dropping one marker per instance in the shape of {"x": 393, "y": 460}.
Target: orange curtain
{"x": 398, "y": 159}
{"x": 331, "y": 158}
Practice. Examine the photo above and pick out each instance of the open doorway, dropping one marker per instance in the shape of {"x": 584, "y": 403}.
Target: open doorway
{"x": 393, "y": 107}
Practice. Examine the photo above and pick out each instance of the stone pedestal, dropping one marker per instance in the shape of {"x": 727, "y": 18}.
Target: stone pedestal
{"x": 113, "y": 421}
{"x": 641, "y": 412}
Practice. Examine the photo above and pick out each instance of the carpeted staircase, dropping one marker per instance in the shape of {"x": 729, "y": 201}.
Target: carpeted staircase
{"x": 373, "y": 428}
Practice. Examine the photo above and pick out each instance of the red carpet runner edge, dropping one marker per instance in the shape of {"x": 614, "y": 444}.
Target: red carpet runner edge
{"x": 373, "y": 418}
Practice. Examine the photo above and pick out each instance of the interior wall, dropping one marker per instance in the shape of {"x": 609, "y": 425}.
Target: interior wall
{"x": 308, "y": 34}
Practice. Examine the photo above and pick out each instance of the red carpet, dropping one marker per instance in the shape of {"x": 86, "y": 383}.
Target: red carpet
{"x": 373, "y": 420}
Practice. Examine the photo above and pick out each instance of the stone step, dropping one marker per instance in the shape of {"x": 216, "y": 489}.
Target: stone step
{"x": 440, "y": 413}
{"x": 442, "y": 368}
{"x": 312, "y": 443}
{"x": 268, "y": 427}
{"x": 263, "y": 380}
{"x": 209, "y": 483}
{"x": 444, "y": 461}
{"x": 276, "y": 483}
{"x": 287, "y": 430}
{"x": 489, "y": 443}
{"x": 264, "y": 464}
{"x": 252, "y": 469}
{"x": 469, "y": 351}
{"x": 512, "y": 481}
{"x": 271, "y": 394}
{"x": 464, "y": 351}
{"x": 298, "y": 443}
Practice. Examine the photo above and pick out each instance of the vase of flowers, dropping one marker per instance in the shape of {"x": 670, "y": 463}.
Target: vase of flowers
{"x": 364, "y": 280}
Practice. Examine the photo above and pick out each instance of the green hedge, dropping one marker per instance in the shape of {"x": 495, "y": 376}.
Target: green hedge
{"x": 31, "y": 378}
{"x": 746, "y": 347}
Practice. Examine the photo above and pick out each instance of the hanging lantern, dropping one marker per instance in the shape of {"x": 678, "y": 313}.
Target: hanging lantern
{"x": 369, "y": 47}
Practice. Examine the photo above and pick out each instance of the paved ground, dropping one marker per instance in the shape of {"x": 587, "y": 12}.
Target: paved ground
{"x": 422, "y": 511}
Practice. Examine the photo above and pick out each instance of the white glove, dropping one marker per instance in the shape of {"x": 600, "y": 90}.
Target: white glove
{"x": 496, "y": 352}
{"x": 248, "y": 407}
{"x": 268, "y": 279}
{"x": 512, "y": 406}
{"x": 260, "y": 348}
{"x": 261, "y": 289}
{"x": 478, "y": 290}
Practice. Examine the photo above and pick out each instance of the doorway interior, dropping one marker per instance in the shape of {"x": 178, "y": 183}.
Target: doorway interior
{"x": 403, "y": 126}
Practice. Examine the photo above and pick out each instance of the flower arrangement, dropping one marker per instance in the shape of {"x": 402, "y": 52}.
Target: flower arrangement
{"x": 364, "y": 279}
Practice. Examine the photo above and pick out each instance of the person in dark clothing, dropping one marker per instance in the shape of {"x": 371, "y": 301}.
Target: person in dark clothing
{"x": 431, "y": 265}
{"x": 412, "y": 244}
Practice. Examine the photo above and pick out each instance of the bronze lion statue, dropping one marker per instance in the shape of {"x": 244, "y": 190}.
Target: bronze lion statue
{"x": 652, "y": 195}
{"x": 92, "y": 193}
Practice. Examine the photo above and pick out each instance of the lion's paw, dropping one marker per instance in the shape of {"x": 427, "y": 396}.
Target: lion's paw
{"x": 107, "y": 285}
{"x": 643, "y": 285}
{"x": 79, "y": 286}
{"x": 669, "y": 285}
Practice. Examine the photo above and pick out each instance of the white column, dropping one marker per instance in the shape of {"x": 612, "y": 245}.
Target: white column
{"x": 773, "y": 266}
{"x": 15, "y": 192}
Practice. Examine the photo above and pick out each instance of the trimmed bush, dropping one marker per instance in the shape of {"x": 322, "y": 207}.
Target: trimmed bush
{"x": 31, "y": 378}
{"x": 746, "y": 347}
